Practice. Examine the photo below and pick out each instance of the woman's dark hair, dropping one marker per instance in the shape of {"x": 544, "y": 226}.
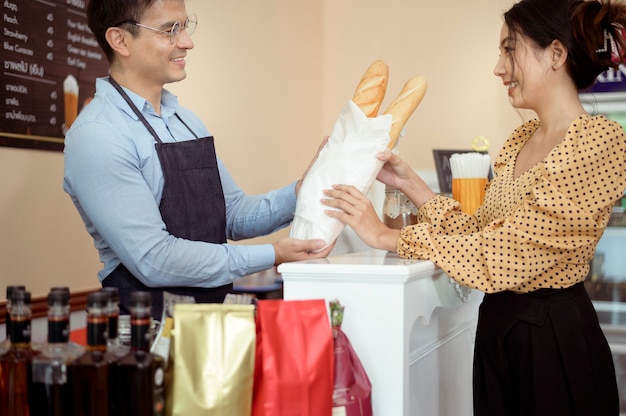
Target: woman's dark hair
{"x": 103, "y": 14}
{"x": 592, "y": 32}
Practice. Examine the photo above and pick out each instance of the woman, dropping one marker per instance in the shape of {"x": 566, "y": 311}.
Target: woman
{"x": 539, "y": 347}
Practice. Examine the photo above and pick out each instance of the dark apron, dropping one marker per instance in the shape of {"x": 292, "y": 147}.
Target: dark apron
{"x": 192, "y": 207}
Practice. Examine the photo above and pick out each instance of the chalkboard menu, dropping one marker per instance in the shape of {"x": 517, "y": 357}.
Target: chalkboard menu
{"x": 50, "y": 60}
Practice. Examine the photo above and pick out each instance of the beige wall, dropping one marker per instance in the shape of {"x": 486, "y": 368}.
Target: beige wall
{"x": 269, "y": 79}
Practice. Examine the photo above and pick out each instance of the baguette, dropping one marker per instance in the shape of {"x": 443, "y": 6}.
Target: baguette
{"x": 370, "y": 92}
{"x": 403, "y": 106}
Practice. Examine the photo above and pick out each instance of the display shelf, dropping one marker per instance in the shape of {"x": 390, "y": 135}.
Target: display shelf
{"x": 606, "y": 286}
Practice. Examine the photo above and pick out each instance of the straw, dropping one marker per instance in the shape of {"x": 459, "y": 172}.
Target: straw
{"x": 470, "y": 165}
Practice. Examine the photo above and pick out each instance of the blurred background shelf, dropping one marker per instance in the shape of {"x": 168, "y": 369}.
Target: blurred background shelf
{"x": 606, "y": 285}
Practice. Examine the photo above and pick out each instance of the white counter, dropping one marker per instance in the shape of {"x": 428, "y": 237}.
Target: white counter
{"x": 411, "y": 325}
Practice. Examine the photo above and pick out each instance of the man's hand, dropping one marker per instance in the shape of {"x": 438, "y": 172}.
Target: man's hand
{"x": 291, "y": 249}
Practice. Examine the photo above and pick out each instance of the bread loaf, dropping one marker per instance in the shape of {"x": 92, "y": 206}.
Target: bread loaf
{"x": 403, "y": 106}
{"x": 370, "y": 92}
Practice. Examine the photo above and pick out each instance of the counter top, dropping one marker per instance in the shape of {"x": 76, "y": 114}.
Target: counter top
{"x": 374, "y": 264}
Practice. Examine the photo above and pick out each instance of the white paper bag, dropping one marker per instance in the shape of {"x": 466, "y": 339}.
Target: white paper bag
{"x": 348, "y": 158}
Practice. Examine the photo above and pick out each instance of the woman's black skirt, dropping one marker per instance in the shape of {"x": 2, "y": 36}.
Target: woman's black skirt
{"x": 542, "y": 353}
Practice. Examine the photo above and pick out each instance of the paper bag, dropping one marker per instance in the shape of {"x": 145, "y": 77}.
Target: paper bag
{"x": 352, "y": 395}
{"x": 348, "y": 158}
{"x": 294, "y": 359}
{"x": 211, "y": 368}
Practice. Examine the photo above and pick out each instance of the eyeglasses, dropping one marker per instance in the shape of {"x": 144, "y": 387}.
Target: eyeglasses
{"x": 174, "y": 33}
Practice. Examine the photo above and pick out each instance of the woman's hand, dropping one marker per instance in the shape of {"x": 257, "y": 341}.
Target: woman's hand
{"x": 399, "y": 175}
{"x": 356, "y": 210}
{"x": 395, "y": 171}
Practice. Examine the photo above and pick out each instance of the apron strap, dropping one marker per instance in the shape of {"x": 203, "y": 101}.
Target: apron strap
{"x": 140, "y": 116}
{"x": 133, "y": 107}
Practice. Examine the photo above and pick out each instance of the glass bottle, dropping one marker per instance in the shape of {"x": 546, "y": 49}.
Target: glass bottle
{"x": 15, "y": 364}
{"x": 6, "y": 344}
{"x": 398, "y": 210}
{"x": 89, "y": 373}
{"x": 51, "y": 393}
{"x": 114, "y": 344}
{"x": 138, "y": 377}
{"x": 79, "y": 349}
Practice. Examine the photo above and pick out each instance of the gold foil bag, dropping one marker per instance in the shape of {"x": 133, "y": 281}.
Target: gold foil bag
{"x": 211, "y": 366}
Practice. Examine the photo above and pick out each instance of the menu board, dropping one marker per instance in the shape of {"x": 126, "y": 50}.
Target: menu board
{"x": 50, "y": 60}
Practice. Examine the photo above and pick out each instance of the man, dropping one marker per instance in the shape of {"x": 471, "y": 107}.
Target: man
{"x": 144, "y": 176}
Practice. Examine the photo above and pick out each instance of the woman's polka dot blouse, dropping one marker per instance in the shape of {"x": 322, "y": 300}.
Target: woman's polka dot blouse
{"x": 538, "y": 230}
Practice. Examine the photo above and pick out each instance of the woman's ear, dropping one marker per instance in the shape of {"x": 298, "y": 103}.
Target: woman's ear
{"x": 117, "y": 40}
{"x": 558, "y": 52}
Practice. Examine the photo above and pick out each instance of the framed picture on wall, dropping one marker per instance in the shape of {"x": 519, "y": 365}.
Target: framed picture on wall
{"x": 45, "y": 86}
{"x": 444, "y": 172}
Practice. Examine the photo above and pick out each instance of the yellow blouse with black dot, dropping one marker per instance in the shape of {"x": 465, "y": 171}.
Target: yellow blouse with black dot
{"x": 538, "y": 230}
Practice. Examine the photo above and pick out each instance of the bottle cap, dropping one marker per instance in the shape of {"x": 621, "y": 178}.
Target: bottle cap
{"x": 59, "y": 297}
{"x": 60, "y": 289}
{"x": 140, "y": 299}
{"x": 20, "y": 295}
{"x": 97, "y": 299}
{"x": 10, "y": 290}
{"x": 389, "y": 188}
{"x": 113, "y": 293}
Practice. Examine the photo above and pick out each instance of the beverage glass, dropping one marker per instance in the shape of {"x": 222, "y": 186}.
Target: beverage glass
{"x": 469, "y": 192}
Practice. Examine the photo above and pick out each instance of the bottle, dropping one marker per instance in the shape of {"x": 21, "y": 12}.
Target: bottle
{"x": 114, "y": 344}
{"x": 79, "y": 349}
{"x": 398, "y": 210}
{"x": 6, "y": 344}
{"x": 15, "y": 364}
{"x": 51, "y": 393}
{"x": 89, "y": 373}
{"x": 138, "y": 377}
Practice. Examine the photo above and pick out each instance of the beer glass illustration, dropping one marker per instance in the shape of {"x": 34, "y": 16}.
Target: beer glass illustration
{"x": 70, "y": 100}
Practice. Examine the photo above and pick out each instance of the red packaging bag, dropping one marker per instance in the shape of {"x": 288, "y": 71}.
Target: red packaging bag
{"x": 352, "y": 394}
{"x": 294, "y": 359}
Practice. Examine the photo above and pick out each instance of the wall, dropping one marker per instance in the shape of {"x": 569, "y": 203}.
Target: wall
{"x": 269, "y": 79}
{"x": 454, "y": 44}
{"x": 42, "y": 239}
